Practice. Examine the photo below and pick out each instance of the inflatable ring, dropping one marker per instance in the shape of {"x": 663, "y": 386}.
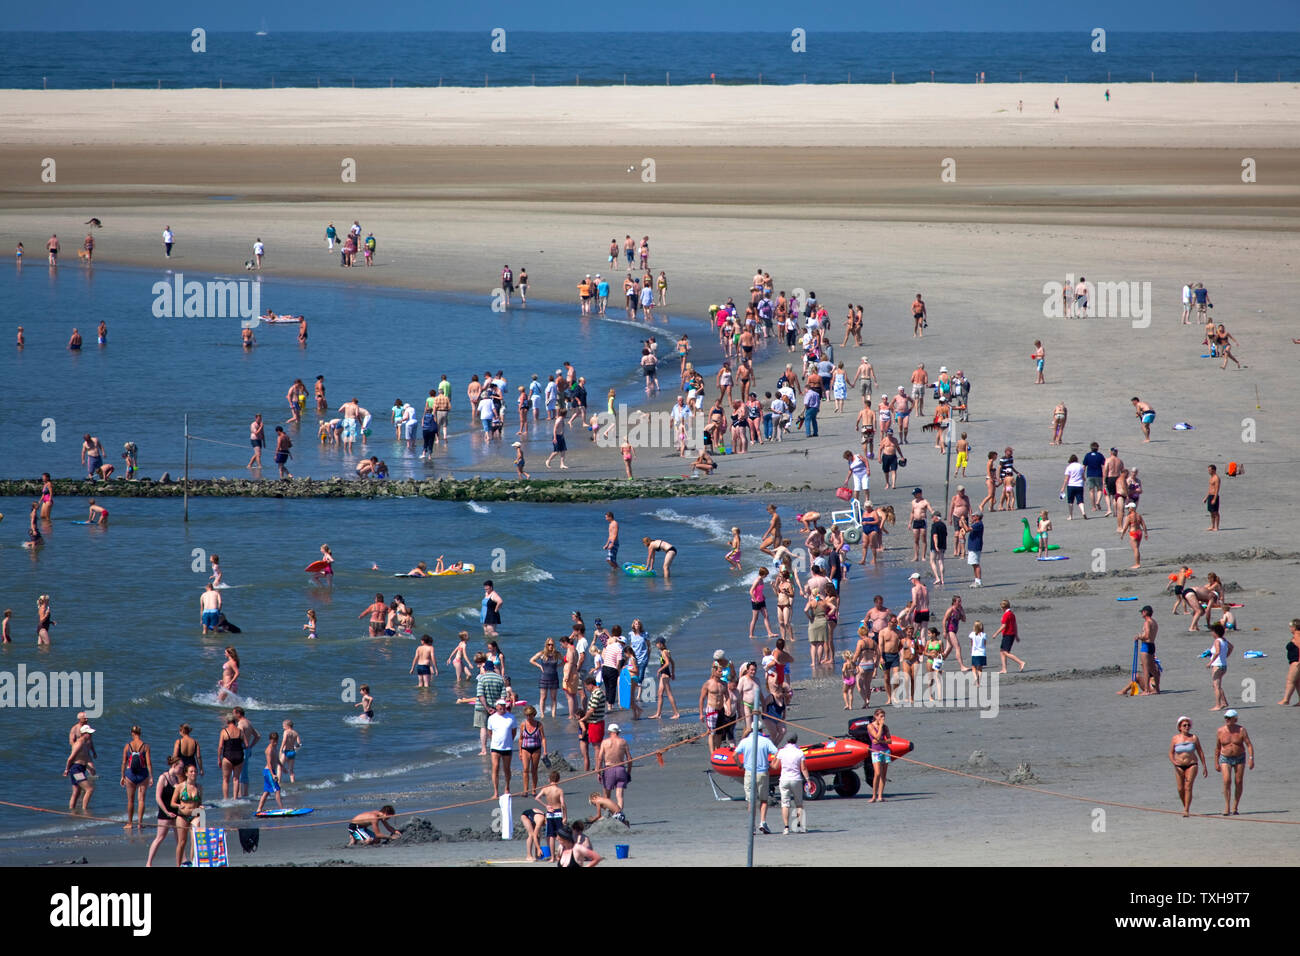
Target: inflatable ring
{"x": 638, "y": 571}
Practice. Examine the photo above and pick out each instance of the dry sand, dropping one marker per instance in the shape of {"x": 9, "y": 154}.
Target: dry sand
{"x": 1162, "y": 202}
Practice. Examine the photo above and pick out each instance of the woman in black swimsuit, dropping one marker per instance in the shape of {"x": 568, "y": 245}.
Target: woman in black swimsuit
{"x": 186, "y": 749}
{"x": 163, "y": 792}
{"x": 231, "y": 747}
{"x": 137, "y": 774}
{"x": 656, "y": 545}
{"x": 43, "y": 611}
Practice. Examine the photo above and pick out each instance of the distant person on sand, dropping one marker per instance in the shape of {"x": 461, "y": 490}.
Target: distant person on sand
{"x": 1056, "y": 106}
{"x": 52, "y": 249}
{"x": 1145, "y": 415}
{"x": 169, "y": 238}
{"x": 1148, "y": 673}
{"x": 1211, "y": 498}
{"x": 259, "y": 250}
{"x": 918, "y": 317}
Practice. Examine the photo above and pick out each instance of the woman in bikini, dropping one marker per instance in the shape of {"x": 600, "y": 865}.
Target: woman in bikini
{"x": 1186, "y": 755}
{"x": 230, "y": 745}
{"x": 186, "y": 749}
{"x": 990, "y": 483}
{"x": 459, "y": 660}
{"x": 1136, "y": 527}
{"x": 784, "y": 604}
{"x": 229, "y": 683}
{"x": 47, "y": 496}
{"x": 1059, "y": 415}
{"x": 655, "y": 546}
{"x": 1225, "y": 339}
{"x": 1203, "y": 599}
{"x": 186, "y": 800}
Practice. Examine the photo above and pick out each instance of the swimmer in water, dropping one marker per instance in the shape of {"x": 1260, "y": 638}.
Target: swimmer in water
{"x": 733, "y": 552}
{"x": 441, "y": 568}
{"x": 229, "y": 683}
{"x": 34, "y": 533}
{"x": 215, "y": 561}
{"x": 98, "y": 514}
{"x": 47, "y": 496}
{"x": 459, "y": 658}
{"x": 310, "y": 626}
{"x": 367, "y": 703}
{"x": 419, "y": 571}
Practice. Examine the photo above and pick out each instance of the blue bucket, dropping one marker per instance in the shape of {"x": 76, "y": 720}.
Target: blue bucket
{"x": 620, "y": 851}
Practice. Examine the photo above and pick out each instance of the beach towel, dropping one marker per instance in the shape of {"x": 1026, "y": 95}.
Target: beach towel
{"x": 209, "y": 847}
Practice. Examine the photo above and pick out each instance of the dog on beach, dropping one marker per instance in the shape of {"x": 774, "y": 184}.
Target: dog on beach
{"x": 248, "y": 265}
{"x": 92, "y": 221}
{"x": 82, "y": 254}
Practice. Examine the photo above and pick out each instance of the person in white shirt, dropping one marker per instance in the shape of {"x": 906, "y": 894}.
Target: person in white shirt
{"x": 1187, "y": 304}
{"x": 169, "y": 237}
{"x": 978, "y": 655}
{"x": 794, "y": 773}
{"x": 1072, "y": 488}
{"x": 259, "y": 250}
{"x": 501, "y": 727}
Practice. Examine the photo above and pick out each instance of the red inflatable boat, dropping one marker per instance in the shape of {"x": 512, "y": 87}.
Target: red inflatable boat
{"x": 838, "y": 757}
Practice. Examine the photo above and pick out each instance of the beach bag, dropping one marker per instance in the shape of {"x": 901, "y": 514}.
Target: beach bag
{"x": 1235, "y": 469}
{"x": 844, "y": 494}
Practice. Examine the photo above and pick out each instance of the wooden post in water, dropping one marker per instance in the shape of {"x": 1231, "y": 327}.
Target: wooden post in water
{"x": 186, "y": 491}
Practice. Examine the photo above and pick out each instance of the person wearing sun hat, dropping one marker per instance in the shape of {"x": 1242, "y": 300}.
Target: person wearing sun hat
{"x": 519, "y": 461}
{"x": 1233, "y": 753}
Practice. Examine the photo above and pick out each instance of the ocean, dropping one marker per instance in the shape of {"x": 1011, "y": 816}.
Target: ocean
{"x": 376, "y": 344}
{"x": 72, "y": 60}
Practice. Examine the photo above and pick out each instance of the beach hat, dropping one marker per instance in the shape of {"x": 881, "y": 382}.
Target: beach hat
{"x": 916, "y": 491}
{"x": 943, "y": 368}
{"x": 516, "y": 444}
{"x": 1129, "y": 505}
{"x": 1179, "y": 721}
{"x": 612, "y": 729}
{"x": 90, "y": 730}
{"x": 914, "y": 574}
{"x": 1226, "y": 714}
{"x": 961, "y": 487}
{"x": 719, "y": 655}
{"x": 501, "y": 702}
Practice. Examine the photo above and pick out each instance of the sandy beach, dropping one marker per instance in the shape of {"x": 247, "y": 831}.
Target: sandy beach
{"x": 454, "y": 183}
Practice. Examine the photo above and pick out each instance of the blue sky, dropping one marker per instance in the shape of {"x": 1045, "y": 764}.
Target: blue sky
{"x": 659, "y": 15}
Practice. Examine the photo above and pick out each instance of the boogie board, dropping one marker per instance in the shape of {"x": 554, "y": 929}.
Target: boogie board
{"x": 286, "y": 812}
{"x": 316, "y": 567}
{"x": 1022, "y": 492}
{"x": 1055, "y": 557}
{"x": 625, "y": 688}
{"x": 638, "y": 571}
{"x": 81, "y": 522}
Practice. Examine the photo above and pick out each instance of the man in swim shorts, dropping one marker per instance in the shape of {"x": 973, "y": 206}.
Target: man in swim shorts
{"x": 1145, "y": 415}
{"x": 713, "y": 697}
{"x": 361, "y": 829}
{"x": 614, "y": 761}
{"x": 1233, "y": 753}
{"x": 1148, "y": 673}
{"x": 210, "y": 606}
